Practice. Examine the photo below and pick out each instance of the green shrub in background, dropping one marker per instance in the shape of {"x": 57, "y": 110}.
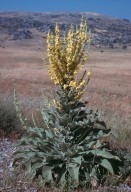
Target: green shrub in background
{"x": 70, "y": 151}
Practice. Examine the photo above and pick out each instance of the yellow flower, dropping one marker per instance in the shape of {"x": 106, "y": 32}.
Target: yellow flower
{"x": 57, "y": 30}
{"x": 78, "y": 96}
{"x": 67, "y": 76}
{"x": 82, "y": 83}
{"x": 88, "y": 74}
{"x": 72, "y": 83}
{"x": 57, "y": 104}
{"x": 65, "y": 86}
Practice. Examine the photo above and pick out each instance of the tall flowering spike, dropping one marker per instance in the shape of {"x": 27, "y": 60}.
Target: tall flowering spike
{"x": 67, "y": 57}
{"x": 71, "y": 134}
{"x": 57, "y": 37}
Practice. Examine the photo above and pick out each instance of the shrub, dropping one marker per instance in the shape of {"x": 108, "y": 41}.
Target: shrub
{"x": 125, "y": 168}
{"x": 9, "y": 121}
{"x": 70, "y": 150}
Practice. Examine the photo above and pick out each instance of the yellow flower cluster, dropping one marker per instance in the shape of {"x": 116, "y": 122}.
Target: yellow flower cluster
{"x": 57, "y": 104}
{"x": 67, "y": 56}
{"x": 79, "y": 95}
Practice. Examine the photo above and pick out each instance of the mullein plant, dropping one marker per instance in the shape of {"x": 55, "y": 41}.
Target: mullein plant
{"x": 70, "y": 150}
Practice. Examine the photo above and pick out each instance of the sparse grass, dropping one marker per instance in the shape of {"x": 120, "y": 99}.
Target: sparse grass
{"x": 15, "y": 181}
{"x": 121, "y": 128}
{"x": 9, "y": 122}
{"x": 116, "y": 112}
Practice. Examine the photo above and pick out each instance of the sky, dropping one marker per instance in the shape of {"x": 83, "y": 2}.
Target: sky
{"x": 116, "y": 8}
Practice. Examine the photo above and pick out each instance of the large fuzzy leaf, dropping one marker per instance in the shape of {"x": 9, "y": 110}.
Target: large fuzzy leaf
{"x": 107, "y": 165}
{"x": 102, "y": 123}
{"x": 47, "y": 173}
{"x": 38, "y": 132}
{"x": 104, "y": 154}
{"x": 74, "y": 174}
{"x": 24, "y": 154}
{"x": 100, "y": 153}
{"x": 73, "y": 168}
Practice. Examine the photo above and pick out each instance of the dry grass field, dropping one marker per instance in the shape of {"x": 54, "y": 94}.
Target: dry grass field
{"x": 109, "y": 90}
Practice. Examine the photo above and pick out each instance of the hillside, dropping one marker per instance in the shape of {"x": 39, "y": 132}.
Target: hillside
{"x": 19, "y": 28}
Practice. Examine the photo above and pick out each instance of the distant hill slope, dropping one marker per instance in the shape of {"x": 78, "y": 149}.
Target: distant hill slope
{"x": 106, "y": 31}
